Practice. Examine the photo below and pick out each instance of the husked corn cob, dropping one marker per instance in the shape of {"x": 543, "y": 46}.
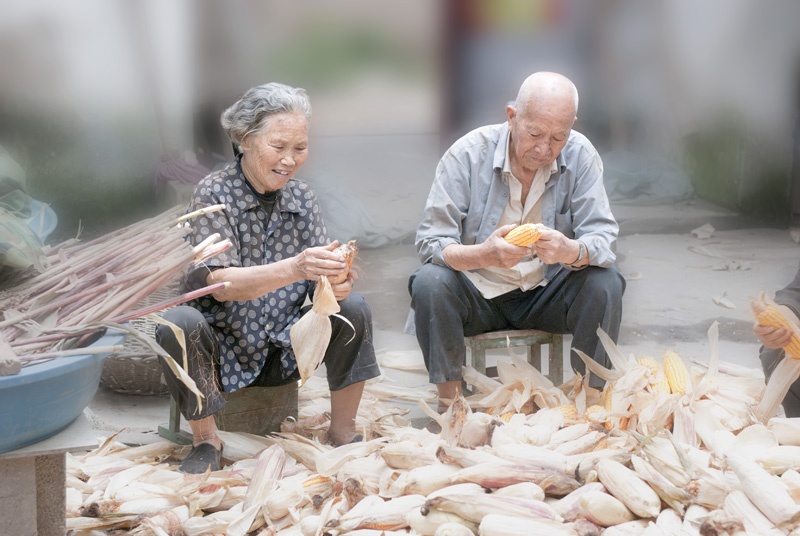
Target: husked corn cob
{"x": 767, "y": 313}
{"x": 596, "y": 414}
{"x": 525, "y": 234}
{"x": 676, "y": 372}
{"x": 569, "y": 411}
{"x": 605, "y": 396}
{"x": 660, "y": 382}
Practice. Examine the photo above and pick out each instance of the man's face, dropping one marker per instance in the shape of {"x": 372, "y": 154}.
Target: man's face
{"x": 538, "y": 133}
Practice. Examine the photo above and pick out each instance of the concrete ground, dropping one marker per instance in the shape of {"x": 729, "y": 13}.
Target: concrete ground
{"x": 678, "y": 286}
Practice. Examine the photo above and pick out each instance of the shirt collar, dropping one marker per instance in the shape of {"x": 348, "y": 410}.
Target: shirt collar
{"x": 285, "y": 202}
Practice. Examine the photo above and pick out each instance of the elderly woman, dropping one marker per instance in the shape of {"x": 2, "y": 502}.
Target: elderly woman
{"x": 239, "y": 337}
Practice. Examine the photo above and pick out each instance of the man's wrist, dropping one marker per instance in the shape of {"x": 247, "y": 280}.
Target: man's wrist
{"x": 581, "y": 254}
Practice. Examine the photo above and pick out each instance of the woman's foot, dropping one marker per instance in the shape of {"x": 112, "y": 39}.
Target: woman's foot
{"x": 203, "y": 457}
{"x": 337, "y": 440}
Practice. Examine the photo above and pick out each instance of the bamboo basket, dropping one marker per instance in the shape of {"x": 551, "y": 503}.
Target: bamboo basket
{"x": 136, "y": 369}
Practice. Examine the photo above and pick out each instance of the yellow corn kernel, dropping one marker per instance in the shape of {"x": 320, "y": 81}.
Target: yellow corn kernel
{"x": 506, "y": 417}
{"x": 524, "y": 235}
{"x": 623, "y": 423}
{"x": 316, "y": 481}
{"x": 767, "y": 313}
{"x": 660, "y": 382}
{"x": 676, "y": 372}
{"x": 605, "y": 396}
{"x": 569, "y": 411}
{"x": 596, "y": 414}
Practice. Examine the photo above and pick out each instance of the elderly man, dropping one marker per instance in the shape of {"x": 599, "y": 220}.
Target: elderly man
{"x": 532, "y": 169}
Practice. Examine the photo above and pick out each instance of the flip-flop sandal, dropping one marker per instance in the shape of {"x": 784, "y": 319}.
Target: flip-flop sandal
{"x": 201, "y": 457}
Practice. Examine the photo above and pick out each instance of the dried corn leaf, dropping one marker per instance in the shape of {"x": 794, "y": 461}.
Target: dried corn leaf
{"x": 311, "y": 334}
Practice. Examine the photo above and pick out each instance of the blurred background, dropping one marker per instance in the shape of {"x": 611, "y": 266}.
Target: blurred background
{"x": 109, "y": 110}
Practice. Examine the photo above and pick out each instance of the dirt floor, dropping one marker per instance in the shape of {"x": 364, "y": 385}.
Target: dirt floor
{"x": 678, "y": 285}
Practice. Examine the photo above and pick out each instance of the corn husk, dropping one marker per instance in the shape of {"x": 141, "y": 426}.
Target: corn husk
{"x": 504, "y": 525}
{"x": 311, "y": 334}
{"x": 453, "y": 529}
{"x": 475, "y": 507}
{"x": 765, "y": 491}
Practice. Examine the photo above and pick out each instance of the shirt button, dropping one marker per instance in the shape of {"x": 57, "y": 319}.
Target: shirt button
{"x": 505, "y": 194}
{"x": 494, "y": 222}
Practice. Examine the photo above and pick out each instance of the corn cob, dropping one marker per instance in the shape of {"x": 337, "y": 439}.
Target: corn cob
{"x": 504, "y": 525}
{"x": 660, "y": 383}
{"x": 760, "y": 487}
{"x": 604, "y": 509}
{"x": 768, "y": 313}
{"x": 629, "y": 488}
{"x": 569, "y": 411}
{"x": 786, "y": 430}
{"x": 524, "y": 235}
{"x": 676, "y": 372}
{"x": 349, "y": 252}
{"x": 505, "y": 417}
{"x": 453, "y": 529}
{"x": 430, "y": 523}
{"x": 596, "y": 414}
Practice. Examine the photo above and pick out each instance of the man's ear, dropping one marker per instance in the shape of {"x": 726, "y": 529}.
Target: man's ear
{"x": 575, "y": 120}
{"x": 511, "y": 113}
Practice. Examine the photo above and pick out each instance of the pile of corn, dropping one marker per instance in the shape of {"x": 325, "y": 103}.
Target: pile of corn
{"x": 668, "y": 447}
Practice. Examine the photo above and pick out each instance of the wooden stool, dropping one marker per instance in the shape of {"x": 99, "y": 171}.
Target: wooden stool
{"x": 255, "y": 410}
{"x": 533, "y": 339}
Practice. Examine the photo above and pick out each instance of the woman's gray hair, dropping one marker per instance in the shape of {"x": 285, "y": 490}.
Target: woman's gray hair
{"x": 252, "y": 111}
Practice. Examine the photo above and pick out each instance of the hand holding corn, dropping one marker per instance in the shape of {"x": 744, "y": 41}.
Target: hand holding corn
{"x": 776, "y": 326}
{"x": 525, "y": 235}
{"x": 495, "y": 251}
{"x": 342, "y": 283}
{"x": 550, "y": 245}
{"x": 322, "y": 260}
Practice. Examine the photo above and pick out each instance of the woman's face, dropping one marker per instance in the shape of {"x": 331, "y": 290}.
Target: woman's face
{"x": 272, "y": 157}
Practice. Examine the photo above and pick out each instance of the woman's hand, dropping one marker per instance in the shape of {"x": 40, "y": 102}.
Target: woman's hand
{"x": 315, "y": 262}
{"x": 772, "y": 338}
{"x": 343, "y": 289}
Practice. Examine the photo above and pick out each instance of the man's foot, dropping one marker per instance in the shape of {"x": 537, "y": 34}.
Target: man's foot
{"x": 201, "y": 458}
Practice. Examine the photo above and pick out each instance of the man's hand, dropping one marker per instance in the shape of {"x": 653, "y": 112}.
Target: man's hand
{"x": 314, "y": 262}
{"x": 553, "y": 247}
{"x": 772, "y": 338}
{"x": 500, "y": 253}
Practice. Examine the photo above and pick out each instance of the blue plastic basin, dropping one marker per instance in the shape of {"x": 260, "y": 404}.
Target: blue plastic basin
{"x": 44, "y": 399}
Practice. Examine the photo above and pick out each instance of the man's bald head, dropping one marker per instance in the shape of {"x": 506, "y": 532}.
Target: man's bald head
{"x": 546, "y": 88}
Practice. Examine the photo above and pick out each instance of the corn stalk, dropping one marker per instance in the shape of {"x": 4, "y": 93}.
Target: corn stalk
{"x": 87, "y": 287}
